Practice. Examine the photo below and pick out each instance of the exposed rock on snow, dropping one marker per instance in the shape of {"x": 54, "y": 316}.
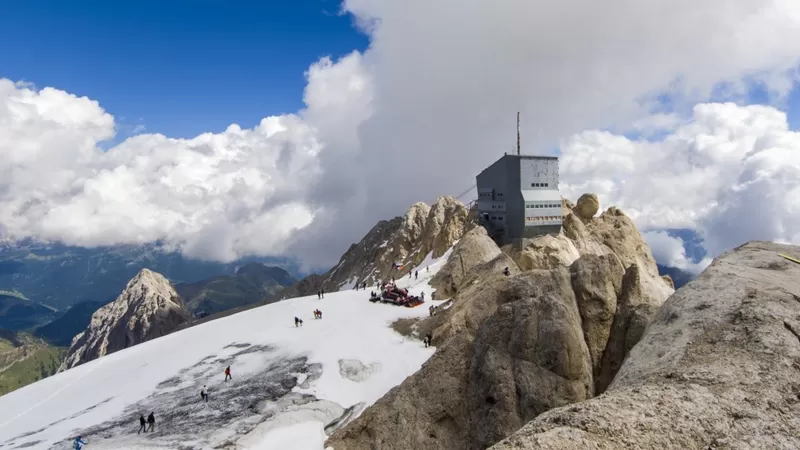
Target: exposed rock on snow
{"x": 424, "y": 230}
{"x": 718, "y": 367}
{"x": 517, "y": 346}
{"x": 147, "y": 308}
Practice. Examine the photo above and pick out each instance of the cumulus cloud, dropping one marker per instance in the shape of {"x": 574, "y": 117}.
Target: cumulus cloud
{"x": 429, "y": 104}
{"x": 670, "y": 251}
{"x": 732, "y": 173}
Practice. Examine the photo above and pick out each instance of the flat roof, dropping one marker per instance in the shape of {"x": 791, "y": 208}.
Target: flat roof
{"x": 542, "y": 157}
{"x": 541, "y": 195}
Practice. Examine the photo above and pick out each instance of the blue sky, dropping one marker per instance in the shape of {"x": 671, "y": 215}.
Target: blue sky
{"x": 182, "y": 67}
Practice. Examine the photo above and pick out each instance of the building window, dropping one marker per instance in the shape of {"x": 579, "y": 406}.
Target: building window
{"x": 546, "y": 184}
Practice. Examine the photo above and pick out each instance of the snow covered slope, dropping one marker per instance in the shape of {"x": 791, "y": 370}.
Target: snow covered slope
{"x": 288, "y": 384}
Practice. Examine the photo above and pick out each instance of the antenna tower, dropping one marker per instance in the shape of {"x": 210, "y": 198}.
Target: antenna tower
{"x": 517, "y": 133}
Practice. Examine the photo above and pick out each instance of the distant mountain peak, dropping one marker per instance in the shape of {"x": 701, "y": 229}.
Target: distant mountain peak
{"x": 147, "y": 308}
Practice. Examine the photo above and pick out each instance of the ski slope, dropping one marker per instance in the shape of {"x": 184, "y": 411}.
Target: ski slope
{"x": 287, "y": 383}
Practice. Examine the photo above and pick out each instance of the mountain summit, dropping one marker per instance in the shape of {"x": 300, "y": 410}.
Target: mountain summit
{"x": 147, "y": 308}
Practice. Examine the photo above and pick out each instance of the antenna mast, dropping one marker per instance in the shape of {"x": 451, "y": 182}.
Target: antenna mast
{"x": 517, "y": 133}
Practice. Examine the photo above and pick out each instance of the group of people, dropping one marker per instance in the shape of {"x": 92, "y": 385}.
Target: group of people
{"x": 361, "y": 286}
{"x": 145, "y": 425}
{"x": 204, "y": 390}
{"x": 321, "y": 293}
{"x": 317, "y": 314}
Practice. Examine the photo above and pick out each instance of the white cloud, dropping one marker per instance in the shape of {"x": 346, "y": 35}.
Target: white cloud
{"x": 670, "y": 251}
{"x": 425, "y": 108}
{"x": 732, "y": 173}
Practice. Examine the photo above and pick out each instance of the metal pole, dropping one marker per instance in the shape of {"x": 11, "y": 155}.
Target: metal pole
{"x": 517, "y": 133}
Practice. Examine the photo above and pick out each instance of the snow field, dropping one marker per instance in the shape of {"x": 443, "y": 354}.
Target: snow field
{"x": 55, "y": 409}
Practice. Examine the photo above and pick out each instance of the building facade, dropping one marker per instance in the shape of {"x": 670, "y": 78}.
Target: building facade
{"x": 518, "y": 197}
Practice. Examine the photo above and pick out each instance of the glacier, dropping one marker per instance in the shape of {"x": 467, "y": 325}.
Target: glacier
{"x": 291, "y": 386}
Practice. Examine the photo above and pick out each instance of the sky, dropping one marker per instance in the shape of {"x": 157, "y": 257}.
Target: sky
{"x": 228, "y": 129}
{"x": 177, "y": 67}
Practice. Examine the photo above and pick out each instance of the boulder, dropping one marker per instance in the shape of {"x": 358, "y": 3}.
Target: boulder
{"x": 587, "y": 207}
{"x": 717, "y": 367}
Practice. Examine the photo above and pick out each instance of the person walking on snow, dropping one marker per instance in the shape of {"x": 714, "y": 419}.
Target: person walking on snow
{"x": 422, "y": 295}
{"x": 142, "y": 423}
{"x": 203, "y": 395}
{"x": 427, "y": 340}
{"x": 322, "y": 293}
{"x": 151, "y": 421}
{"x": 319, "y": 294}
{"x": 228, "y": 373}
{"x": 79, "y": 443}
{"x": 416, "y": 275}
{"x": 297, "y": 322}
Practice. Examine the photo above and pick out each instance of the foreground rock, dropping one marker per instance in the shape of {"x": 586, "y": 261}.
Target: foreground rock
{"x": 552, "y": 333}
{"x": 718, "y": 367}
{"x": 147, "y": 308}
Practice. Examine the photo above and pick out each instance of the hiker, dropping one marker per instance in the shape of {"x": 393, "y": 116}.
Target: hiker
{"x": 142, "y": 423}
{"x": 79, "y": 443}
{"x": 297, "y": 322}
{"x": 430, "y": 310}
{"x": 427, "y": 340}
{"x": 319, "y": 313}
{"x": 506, "y": 272}
{"x": 319, "y": 294}
{"x": 416, "y": 275}
{"x": 151, "y": 420}
{"x": 365, "y": 285}
{"x": 433, "y": 295}
{"x": 228, "y": 373}
{"x": 203, "y": 395}
{"x": 428, "y": 269}
{"x": 422, "y": 295}
{"x": 322, "y": 293}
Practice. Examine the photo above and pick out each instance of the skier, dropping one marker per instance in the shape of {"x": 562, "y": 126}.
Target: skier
{"x": 203, "y": 395}
{"x": 228, "y": 373}
{"x": 151, "y": 421}
{"x": 142, "y": 423}
{"x": 78, "y": 444}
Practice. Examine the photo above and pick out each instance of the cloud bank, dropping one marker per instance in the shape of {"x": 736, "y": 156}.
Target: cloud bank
{"x": 429, "y": 104}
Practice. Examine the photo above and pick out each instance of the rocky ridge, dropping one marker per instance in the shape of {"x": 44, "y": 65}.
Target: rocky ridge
{"x": 552, "y": 333}
{"x": 148, "y": 307}
{"x": 407, "y": 240}
{"x": 717, "y": 367}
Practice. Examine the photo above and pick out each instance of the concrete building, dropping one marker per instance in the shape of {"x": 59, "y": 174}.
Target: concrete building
{"x": 518, "y": 197}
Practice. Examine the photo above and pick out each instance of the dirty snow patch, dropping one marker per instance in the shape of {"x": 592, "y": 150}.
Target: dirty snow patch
{"x": 355, "y": 370}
